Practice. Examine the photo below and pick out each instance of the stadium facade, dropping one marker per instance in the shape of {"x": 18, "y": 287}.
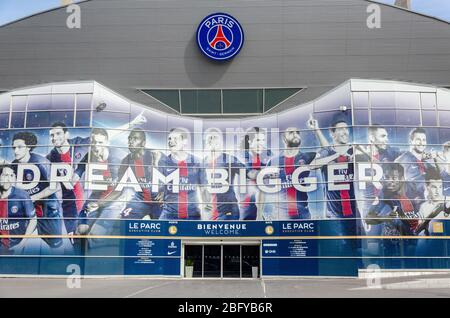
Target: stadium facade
{"x": 126, "y": 151}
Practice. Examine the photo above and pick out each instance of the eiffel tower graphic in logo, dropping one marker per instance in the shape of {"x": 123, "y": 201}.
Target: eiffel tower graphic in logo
{"x": 220, "y": 41}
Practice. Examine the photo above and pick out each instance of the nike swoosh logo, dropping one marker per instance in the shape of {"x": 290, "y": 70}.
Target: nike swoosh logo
{"x": 170, "y": 253}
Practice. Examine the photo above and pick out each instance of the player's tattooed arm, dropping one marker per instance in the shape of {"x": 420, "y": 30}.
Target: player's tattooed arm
{"x": 430, "y": 213}
{"x": 438, "y": 160}
{"x": 313, "y": 124}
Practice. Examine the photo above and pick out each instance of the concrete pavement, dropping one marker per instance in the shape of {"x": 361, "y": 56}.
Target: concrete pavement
{"x": 415, "y": 286}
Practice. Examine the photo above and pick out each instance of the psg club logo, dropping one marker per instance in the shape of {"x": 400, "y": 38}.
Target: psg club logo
{"x": 220, "y": 36}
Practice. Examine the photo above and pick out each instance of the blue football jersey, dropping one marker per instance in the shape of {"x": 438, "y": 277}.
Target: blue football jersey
{"x": 79, "y": 147}
{"x": 184, "y": 204}
{"x": 49, "y": 206}
{"x": 15, "y": 214}
{"x": 292, "y": 204}
{"x": 224, "y": 205}
{"x": 340, "y": 203}
{"x": 415, "y": 171}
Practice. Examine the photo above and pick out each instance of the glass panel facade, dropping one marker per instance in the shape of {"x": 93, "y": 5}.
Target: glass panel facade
{"x": 5, "y": 102}
{"x": 360, "y": 100}
{"x": 243, "y": 101}
{"x": 169, "y": 97}
{"x": 273, "y": 97}
{"x": 39, "y": 102}
{"x": 428, "y": 100}
{"x": 223, "y": 101}
{"x": 84, "y": 101}
{"x": 382, "y": 100}
{"x": 201, "y": 101}
{"x": 378, "y": 168}
{"x": 19, "y": 103}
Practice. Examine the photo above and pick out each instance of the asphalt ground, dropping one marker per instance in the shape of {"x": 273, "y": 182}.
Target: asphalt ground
{"x": 437, "y": 285}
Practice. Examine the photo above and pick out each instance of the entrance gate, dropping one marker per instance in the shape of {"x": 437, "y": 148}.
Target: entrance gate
{"x": 212, "y": 260}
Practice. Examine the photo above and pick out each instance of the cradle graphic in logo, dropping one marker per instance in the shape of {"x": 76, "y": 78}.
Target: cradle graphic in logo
{"x": 220, "y": 36}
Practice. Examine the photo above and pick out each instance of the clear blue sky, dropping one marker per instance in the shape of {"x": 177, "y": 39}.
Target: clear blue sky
{"x": 11, "y": 10}
{"x": 436, "y": 8}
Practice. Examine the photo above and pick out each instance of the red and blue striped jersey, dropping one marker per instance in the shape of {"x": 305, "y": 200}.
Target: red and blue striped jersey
{"x": 15, "y": 214}
{"x": 185, "y": 203}
{"x": 291, "y": 202}
{"x": 340, "y": 203}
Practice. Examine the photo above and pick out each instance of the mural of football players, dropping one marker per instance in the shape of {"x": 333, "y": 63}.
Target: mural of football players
{"x": 444, "y": 158}
{"x": 184, "y": 205}
{"x": 17, "y": 213}
{"x": 435, "y": 207}
{"x": 415, "y": 162}
{"x": 220, "y": 206}
{"x": 71, "y": 151}
{"x": 100, "y": 203}
{"x": 442, "y": 161}
{"x": 46, "y": 203}
{"x": 398, "y": 214}
{"x": 377, "y": 151}
{"x": 256, "y": 157}
{"x": 340, "y": 203}
{"x": 341, "y": 207}
{"x": 140, "y": 162}
{"x": 293, "y": 204}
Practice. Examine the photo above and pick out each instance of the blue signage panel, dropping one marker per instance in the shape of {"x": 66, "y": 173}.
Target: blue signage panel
{"x": 289, "y": 248}
{"x": 220, "y": 36}
{"x": 221, "y": 229}
{"x": 290, "y": 266}
{"x": 152, "y": 266}
{"x": 147, "y": 228}
{"x": 149, "y": 247}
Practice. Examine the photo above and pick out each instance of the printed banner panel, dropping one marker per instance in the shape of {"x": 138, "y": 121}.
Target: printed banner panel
{"x": 80, "y": 168}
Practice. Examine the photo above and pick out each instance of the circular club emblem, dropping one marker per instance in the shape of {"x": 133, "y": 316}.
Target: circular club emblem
{"x": 173, "y": 230}
{"x": 220, "y": 36}
{"x": 14, "y": 209}
{"x": 269, "y": 230}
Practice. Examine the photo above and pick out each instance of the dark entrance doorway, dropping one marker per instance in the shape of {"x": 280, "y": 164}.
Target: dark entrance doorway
{"x": 222, "y": 261}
